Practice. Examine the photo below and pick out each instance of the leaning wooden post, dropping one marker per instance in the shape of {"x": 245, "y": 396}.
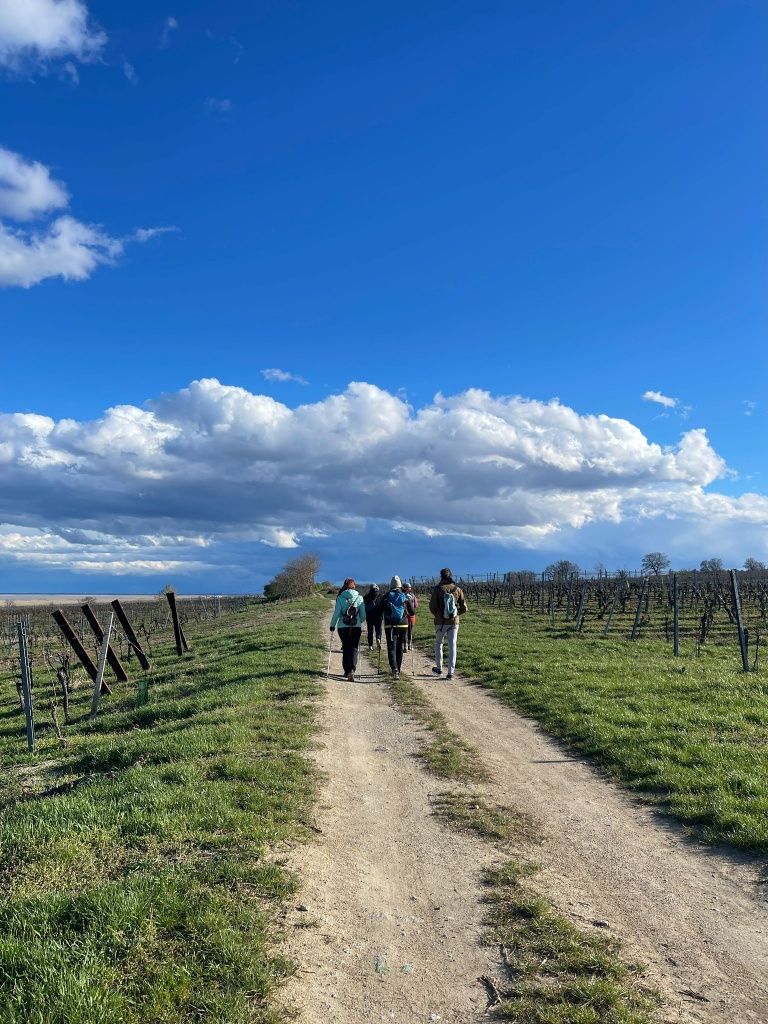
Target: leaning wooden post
{"x": 739, "y": 621}
{"x": 74, "y": 642}
{"x": 101, "y": 666}
{"x": 178, "y": 632}
{"x": 639, "y": 612}
{"x": 133, "y": 640}
{"x": 26, "y": 686}
{"x": 580, "y": 612}
{"x": 676, "y": 612}
{"x": 614, "y": 603}
{"x": 98, "y": 632}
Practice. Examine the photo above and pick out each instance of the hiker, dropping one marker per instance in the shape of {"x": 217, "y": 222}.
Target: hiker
{"x": 373, "y": 615}
{"x": 349, "y": 616}
{"x": 446, "y": 603}
{"x": 411, "y": 596}
{"x": 395, "y": 609}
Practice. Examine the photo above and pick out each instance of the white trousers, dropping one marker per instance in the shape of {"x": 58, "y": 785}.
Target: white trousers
{"x": 448, "y": 633}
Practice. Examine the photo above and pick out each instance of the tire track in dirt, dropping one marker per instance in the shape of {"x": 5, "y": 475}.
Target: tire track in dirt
{"x": 391, "y": 929}
{"x": 696, "y": 916}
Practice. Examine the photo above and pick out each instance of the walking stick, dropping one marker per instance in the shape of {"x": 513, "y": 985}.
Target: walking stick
{"x": 330, "y": 645}
{"x": 378, "y": 663}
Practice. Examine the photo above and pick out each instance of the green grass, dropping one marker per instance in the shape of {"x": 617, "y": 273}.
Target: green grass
{"x": 691, "y": 732}
{"x": 558, "y": 974}
{"x": 138, "y": 874}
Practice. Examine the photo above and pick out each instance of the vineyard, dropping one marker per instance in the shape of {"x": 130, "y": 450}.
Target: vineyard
{"x": 687, "y": 610}
{"x": 52, "y": 653}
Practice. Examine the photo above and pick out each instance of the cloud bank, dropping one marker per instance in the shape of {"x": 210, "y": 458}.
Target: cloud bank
{"x": 214, "y": 465}
{"x": 60, "y": 247}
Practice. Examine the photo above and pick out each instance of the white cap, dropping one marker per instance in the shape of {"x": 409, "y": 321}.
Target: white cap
{"x": 395, "y": 583}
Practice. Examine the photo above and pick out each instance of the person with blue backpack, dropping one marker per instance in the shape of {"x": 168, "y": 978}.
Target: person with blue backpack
{"x": 395, "y": 609}
{"x": 446, "y": 603}
{"x": 349, "y": 616}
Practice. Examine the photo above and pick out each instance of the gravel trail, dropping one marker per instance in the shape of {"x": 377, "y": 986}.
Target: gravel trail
{"x": 393, "y": 916}
{"x": 698, "y": 917}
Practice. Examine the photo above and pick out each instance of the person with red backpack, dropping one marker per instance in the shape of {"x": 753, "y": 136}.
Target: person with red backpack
{"x": 410, "y": 596}
{"x": 349, "y": 615}
{"x": 395, "y": 609}
{"x": 446, "y": 603}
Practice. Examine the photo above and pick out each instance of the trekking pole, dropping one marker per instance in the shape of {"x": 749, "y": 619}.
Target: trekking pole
{"x": 378, "y": 663}
{"x": 413, "y": 659}
{"x": 330, "y": 645}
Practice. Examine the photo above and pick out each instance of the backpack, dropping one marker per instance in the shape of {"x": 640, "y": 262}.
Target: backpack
{"x": 394, "y": 609}
{"x": 449, "y": 605}
{"x": 349, "y": 616}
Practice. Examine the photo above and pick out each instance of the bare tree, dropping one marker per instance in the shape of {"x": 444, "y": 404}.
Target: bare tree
{"x": 655, "y": 562}
{"x": 754, "y": 565}
{"x": 711, "y": 565}
{"x": 561, "y": 570}
{"x": 295, "y": 579}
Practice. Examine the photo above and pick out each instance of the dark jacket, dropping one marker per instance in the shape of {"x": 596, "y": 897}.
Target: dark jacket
{"x": 372, "y": 609}
{"x": 436, "y": 605}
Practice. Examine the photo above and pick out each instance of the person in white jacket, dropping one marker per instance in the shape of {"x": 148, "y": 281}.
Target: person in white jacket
{"x": 348, "y": 617}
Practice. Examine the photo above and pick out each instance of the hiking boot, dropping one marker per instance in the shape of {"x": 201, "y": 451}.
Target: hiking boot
{"x": 378, "y": 644}
{"x": 437, "y": 671}
{"x": 351, "y": 677}
{"x": 395, "y": 675}
{"x": 450, "y": 675}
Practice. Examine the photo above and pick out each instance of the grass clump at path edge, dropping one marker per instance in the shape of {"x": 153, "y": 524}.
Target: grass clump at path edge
{"x": 469, "y": 812}
{"x": 558, "y": 974}
{"x": 136, "y": 874}
{"x": 444, "y": 753}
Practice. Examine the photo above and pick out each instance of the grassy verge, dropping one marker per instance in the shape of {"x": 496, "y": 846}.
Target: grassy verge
{"x": 692, "y": 732}
{"x": 136, "y": 876}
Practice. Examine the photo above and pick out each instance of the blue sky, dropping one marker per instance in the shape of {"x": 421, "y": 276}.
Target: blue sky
{"x": 545, "y": 200}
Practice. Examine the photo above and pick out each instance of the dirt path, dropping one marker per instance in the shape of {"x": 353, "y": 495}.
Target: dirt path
{"x": 696, "y": 917}
{"x": 391, "y": 897}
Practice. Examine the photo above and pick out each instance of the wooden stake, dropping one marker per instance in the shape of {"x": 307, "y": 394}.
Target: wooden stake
{"x": 84, "y": 658}
{"x": 178, "y": 632}
{"x": 98, "y": 632}
{"x": 101, "y": 666}
{"x": 26, "y": 686}
{"x": 133, "y": 640}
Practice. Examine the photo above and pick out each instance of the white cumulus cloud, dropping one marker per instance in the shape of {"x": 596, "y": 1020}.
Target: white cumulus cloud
{"x": 38, "y": 31}
{"x": 62, "y": 247}
{"x": 218, "y": 466}
{"x": 27, "y": 189}
{"x": 659, "y": 399}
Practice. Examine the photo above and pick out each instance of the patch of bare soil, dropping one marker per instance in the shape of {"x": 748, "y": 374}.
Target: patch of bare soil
{"x": 698, "y": 917}
{"x": 388, "y": 924}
